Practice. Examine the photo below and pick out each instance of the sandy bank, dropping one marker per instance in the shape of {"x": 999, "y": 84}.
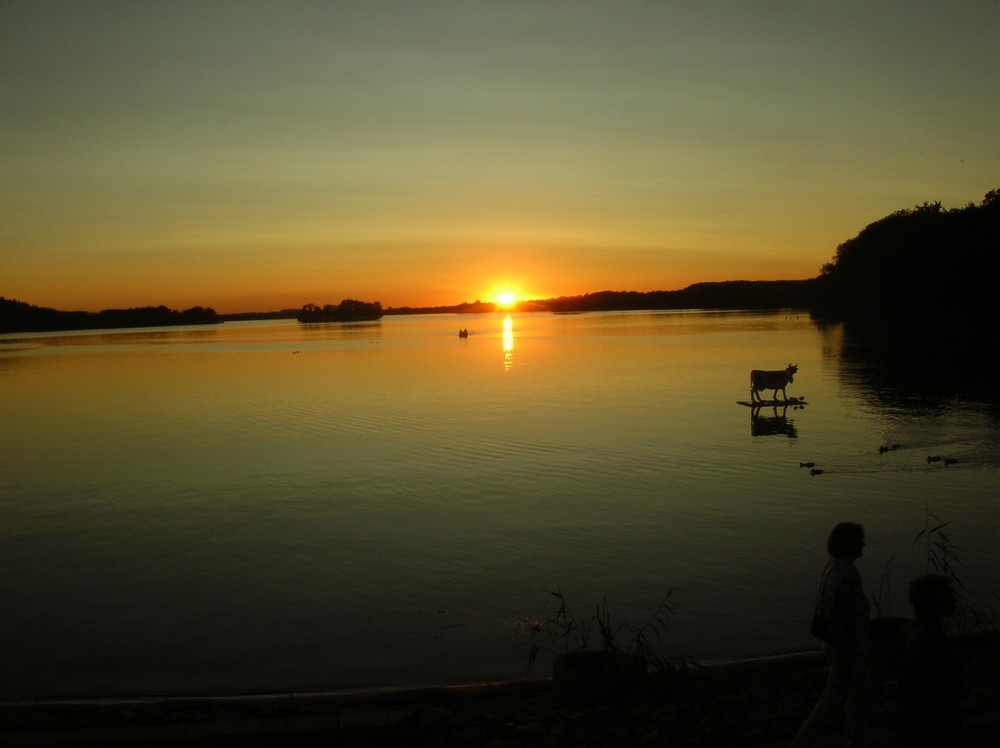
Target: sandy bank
{"x": 757, "y": 702}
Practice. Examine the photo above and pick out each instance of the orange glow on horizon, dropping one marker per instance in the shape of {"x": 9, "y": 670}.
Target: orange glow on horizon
{"x": 254, "y": 293}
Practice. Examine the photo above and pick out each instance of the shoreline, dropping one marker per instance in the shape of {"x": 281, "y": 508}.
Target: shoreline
{"x": 377, "y": 692}
{"x": 747, "y": 702}
{"x": 364, "y": 692}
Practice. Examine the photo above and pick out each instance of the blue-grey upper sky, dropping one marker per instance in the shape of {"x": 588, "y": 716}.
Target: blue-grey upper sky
{"x": 261, "y": 155}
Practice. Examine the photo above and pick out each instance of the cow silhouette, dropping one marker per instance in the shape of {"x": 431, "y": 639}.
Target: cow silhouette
{"x": 771, "y": 380}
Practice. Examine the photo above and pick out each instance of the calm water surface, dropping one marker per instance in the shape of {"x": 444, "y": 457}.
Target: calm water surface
{"x": 270, "y": 507}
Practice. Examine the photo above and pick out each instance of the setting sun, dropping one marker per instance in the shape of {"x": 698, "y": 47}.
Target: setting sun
{"x": 506, "y": 298}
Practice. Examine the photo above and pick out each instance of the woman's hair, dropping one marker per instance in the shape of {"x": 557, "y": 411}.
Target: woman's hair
{"x": 932, "y": 597}
{"x": 842, "y": 537}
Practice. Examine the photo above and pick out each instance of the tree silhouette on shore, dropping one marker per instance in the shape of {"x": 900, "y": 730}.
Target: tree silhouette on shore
{"x": 925, "y": 270}
{"x": 348, "y": 310}
{"x": 17, "y": 316}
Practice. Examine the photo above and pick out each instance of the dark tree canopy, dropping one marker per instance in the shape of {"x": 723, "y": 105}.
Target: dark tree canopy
{"x": 927, "y": 267}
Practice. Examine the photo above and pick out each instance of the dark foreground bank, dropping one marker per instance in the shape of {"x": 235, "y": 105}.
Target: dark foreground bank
{"x": 760, "y": 702}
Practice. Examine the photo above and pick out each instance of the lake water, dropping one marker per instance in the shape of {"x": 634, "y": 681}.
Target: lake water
{"x": 275, "y": 507}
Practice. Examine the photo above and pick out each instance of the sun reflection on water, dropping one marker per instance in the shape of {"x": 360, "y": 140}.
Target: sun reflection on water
{"x": 508, "y": 343}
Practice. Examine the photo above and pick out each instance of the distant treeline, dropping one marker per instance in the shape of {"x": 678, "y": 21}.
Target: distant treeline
{"x": 251, "y": 316}
{"x": 724, "y": 295}
{"x": 348, "y": 310}
{"x": 916, "y": 272}
{"x": 17, "y": 316}
{"x": 911, "y": 275}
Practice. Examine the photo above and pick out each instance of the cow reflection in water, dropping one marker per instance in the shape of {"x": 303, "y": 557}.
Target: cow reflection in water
{"x": 773, "y": 423}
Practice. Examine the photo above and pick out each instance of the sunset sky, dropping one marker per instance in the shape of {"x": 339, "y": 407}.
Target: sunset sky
{"x": 253, "y": 156}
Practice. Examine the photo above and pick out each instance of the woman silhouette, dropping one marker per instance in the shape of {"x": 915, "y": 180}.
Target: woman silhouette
{"x": 841, "y": 621}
